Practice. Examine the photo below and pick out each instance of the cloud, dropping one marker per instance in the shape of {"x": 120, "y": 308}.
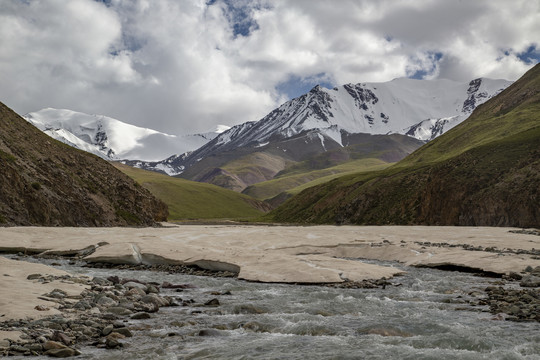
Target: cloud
{"x": 182, "y": 66}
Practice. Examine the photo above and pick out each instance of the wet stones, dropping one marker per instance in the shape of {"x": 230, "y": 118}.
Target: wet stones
{"x": 530, "y": 281}
{"x": 92, "y": 320}
{"x": 519, "y": 304}
{"x": 141, "y": 316}
{"x": 213, "y": 302}
{"x": 364, "y": 284}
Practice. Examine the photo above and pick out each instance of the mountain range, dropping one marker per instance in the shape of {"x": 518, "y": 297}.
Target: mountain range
{"x": 483, "y": 172}
{"x": 324, "y": 156}
{"x": 321, "y": 134}
{"x": 326, "y": 127}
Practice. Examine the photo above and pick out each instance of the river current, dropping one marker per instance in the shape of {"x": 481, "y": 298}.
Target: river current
{"x": 425, "y": 315}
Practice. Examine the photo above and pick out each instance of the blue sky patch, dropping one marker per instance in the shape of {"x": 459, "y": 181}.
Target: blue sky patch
{"x": 296, "y": 86}
{"x": 435, "y": 57}
{"x": 239, "y": 15}
{"x": 530, "y": 56}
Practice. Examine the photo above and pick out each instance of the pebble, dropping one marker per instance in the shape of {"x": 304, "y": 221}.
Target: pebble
{"x": 107, "y": 330}
{"x": 141, "y": 316}
{"x": 124, "y": 331}
{"x": 530, "y": 281}
{"x": 62, "y": 353}
{"x": 4, "y": 345}
{"x": 213, "y": 302}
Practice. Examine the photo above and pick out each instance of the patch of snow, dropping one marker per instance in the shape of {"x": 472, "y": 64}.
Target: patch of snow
{"x": 262, "y": 144}
{"x": 222, "y": 128}
{"x": 322, "y": 140}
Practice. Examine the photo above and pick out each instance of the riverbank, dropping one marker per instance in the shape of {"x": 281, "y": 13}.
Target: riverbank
{"x": 275, "y": 254}
{"x": 289, "y": 254}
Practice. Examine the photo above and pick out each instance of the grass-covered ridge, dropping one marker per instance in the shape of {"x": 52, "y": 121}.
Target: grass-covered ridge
{"x": 293, "y": 183}
{"x": 486, "y": 171}
{"x": 192, "y": 200}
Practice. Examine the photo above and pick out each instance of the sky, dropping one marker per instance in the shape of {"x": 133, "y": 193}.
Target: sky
{"x": 184, "y": 66}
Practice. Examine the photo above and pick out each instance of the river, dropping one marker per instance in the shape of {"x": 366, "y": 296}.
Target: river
{"x": 425, "y": 315}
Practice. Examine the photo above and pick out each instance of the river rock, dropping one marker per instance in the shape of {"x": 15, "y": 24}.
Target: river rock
{"x": 18, "y": 348}
{"x": 114, "y": 279}
{"x": 530, "y": 281}
{"x": 133, "y": 284}
{"x": 34, "y": 347}
{"x": 146, "y": 307}
{"x": 119, "y": 310}
{"x": 33, "y": 276}
{"x": 213, "y": 302}
{"x": 4, "y": 345}
{"x": 112, "y": 343}
{"x": 155, "y": 299}
{"x": 57, "y": 294}
{"x": 61, "y": 337}
{"x": 82, "y": 305}
{"x": 107, "y": 330}
{"x": 141, "y": 316}
{"x": 49, "y": 345}
{"x": 62, "y": 353}
{"x": 135, "y": 292}
{"x": 101, "y": 281}
{"x": 124, "y": 331}
{"x": 106, "y": 301}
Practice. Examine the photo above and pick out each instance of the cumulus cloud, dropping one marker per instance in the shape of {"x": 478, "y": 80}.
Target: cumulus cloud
{"x": 183, "y": 66}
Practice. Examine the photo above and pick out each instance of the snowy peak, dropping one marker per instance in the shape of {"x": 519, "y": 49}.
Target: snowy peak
{"x": 422, "y": 109}
{"x": 113, "y": 139}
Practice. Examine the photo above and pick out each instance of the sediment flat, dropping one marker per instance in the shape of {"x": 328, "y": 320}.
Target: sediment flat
{"x": 287, "y": 254}
{"x": 290, "y": 254}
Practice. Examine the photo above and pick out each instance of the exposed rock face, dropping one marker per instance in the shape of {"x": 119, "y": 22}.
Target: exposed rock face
{"x": 44, "y": 182}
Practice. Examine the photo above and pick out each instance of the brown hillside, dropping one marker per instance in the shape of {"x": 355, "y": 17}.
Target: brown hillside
{"x": 44, "y": 182}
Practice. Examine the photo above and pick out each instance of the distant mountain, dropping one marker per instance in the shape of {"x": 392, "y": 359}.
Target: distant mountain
{"x": 324, "y": 120}
{"x": 113, "y": 139}
{"x": 321, "y": 128}
{"x": 45, "y": 182}
{"x": 484, "y": 171}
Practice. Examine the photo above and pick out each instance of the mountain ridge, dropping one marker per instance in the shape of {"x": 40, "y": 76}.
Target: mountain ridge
{"x": 325, "y": 120}
{"x": 112, "y": 139}
{"x": 483, "y": 172}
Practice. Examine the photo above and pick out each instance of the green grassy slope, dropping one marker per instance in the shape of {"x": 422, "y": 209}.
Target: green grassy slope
{"x": 486, "y": 171}
{"x": 192, "y": 200}
{"x": 297, "y": 181}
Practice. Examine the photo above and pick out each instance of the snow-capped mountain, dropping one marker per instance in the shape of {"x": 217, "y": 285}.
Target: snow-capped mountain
{"x": 113, "y": 139}
{"x": 372, "y": 108}
{"x": 423, "y": 109}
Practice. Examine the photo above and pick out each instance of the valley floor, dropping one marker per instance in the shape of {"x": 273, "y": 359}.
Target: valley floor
{"x": 284, "y": 254}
